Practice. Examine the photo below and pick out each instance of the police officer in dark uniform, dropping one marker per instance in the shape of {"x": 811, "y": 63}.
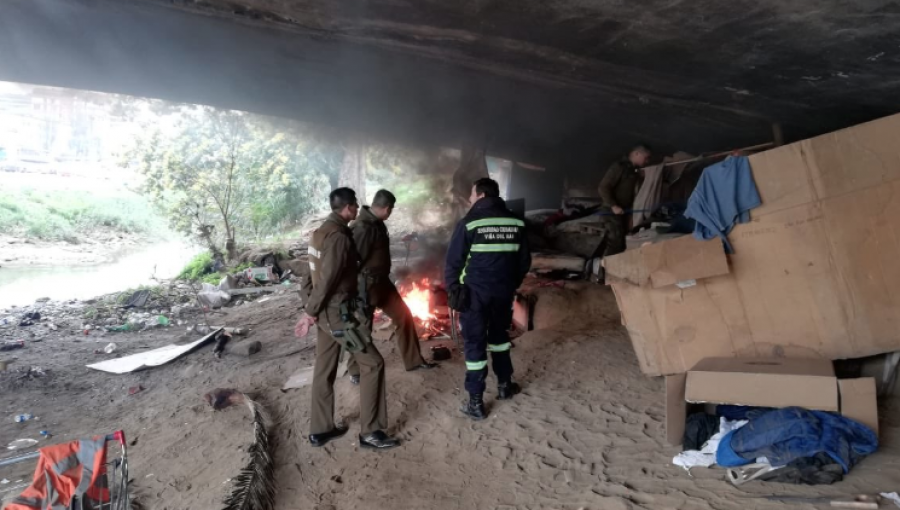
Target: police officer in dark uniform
{"x": 374, "y": 246}
{"x": 486, "y": 262}
{"x": 331, "y": 303}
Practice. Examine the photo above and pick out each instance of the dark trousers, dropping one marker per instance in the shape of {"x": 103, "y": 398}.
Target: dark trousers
{"x": 485, "y": 328}
{"x": 614, "y": 237}
{"x": 372, "y": 402}
{"x": 385, "y": 296}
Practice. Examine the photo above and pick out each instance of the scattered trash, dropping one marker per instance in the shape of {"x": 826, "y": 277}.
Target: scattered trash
{"x": 87, "y": 332}
{"x": 29, "y": 319}
{"x": 9, "y": 346}
{"x": 4, "y": 481}
{"x": 260, "y": 274}
{"x": 892, "y": 496}
{"x": 21, "y": 443}
{"x": 46, "y": 434}
{"x": 162, "y": 320}
{"x": 53, "y": 327}
{"x": 109, "y": 349}
{"x": 4, "y": 364}
{"x": 124, "y": 327}
{"x": 221, "y": 340}
{"x": 440, "y": 353}
{"x": 19, "y": 418}
{"x": 151, "y": 358}
{"x": 135, "y": 389}
{"x": 202, "y": 329}
{"x": 138, "y": 299}
{"x": 212, "y": 296}
{"x": 32, "y": 373}
{"x": 299, "y": 379}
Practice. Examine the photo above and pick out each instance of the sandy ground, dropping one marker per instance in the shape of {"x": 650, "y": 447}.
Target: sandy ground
{"x": 586, "y": 433}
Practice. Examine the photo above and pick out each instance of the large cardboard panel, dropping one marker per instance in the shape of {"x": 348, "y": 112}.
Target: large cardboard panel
{"x": 684, "y": 259}
{"x": 808, "y": 383}
{"x": 627, "y": 266}
{"x": 814, "y": 274}
{"x": 669, "y": 262}
{"x": 859, "y": 401}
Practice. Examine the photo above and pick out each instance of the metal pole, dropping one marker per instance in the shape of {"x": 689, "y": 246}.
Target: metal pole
{"x": 720, "y": 154}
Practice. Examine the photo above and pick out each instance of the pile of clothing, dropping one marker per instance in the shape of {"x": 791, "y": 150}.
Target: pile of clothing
{"x": 790, "y": 445}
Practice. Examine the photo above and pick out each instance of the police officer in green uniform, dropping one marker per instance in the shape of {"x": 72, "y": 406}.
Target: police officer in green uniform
{"x": 373, "y": 244}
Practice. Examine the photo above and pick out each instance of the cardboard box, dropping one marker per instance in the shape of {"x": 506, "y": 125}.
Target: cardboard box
{"x": 814, "y": 274}
{"x": 808, "y": 383}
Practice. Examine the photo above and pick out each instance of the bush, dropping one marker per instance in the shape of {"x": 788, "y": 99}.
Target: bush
{"x": 61, "y": 214}
{"x": 199, "y": 266}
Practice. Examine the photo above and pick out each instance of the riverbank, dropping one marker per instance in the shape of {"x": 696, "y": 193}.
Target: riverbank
{"x": 100, "y": 246}
{"x": 63, "y": 273}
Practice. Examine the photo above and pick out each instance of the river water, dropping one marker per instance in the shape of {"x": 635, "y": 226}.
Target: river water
{"x": 21, "y": 286}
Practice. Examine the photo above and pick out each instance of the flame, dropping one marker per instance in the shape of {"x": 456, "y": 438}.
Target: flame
{"x": 418, "y": 298}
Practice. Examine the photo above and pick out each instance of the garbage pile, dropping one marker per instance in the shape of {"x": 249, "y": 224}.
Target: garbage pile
{"x": 169, "y": 303}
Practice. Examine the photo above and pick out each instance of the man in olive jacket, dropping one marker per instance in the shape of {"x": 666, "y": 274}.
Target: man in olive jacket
{"x": 373, "y": 244}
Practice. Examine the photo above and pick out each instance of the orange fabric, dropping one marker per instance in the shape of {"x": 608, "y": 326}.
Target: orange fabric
{"x": 65, "y": 484}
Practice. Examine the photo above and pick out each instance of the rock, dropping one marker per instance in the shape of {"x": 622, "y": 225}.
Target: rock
{"x": 42, "y": 300}
{"x": 244, "y": 348}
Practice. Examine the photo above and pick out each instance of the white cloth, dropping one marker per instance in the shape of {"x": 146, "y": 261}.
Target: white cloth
{"x": 706, "y": 456}
{"x": 893, "y": 496}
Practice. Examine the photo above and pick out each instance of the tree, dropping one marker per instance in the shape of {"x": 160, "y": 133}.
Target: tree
{"x": 217, "y": 173}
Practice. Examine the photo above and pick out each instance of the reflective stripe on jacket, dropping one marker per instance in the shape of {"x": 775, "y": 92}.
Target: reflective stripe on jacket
{"x": 489, "y": 249}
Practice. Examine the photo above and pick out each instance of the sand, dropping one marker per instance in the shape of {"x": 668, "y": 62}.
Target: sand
{"x": 587, "y": 431}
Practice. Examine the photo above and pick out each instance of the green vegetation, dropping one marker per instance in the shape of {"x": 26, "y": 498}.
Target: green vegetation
{"x": 62, "y": 214}
{"x": 200, "y": 265}
{"x": 225, "y": 176}
{"x": 200, "y": 268}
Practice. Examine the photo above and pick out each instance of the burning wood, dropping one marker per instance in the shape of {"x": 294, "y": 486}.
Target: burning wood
{"x": 428, "y": 304}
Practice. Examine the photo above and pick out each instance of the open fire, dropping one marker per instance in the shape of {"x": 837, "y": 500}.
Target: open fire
{"x": 428, "y": 304}
{"x": 417, "y": 297}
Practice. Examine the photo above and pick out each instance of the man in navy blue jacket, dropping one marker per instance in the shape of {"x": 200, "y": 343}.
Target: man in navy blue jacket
{"x": 487, "y": 260}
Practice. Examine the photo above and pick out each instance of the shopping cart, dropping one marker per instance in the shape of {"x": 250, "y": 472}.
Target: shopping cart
{"x": 111, "y": 483}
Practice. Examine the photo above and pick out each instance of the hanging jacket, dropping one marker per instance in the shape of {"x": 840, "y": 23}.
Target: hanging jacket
{"x": 65, "y": 471}
{"x": 489, "y": 249}
{"x": 723, "y": 198}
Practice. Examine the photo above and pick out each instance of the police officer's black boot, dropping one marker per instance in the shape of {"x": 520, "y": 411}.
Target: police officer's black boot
{"x": 506, "y": 390}
{"x": 474, "y": 408}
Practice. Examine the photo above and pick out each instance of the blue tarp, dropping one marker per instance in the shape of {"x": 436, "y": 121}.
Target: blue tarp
{"x": 784, "y": 435}
{"x": 723, "y": 197}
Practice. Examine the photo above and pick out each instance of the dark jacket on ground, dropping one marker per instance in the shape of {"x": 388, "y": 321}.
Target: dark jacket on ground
{"x": 489, "y": 249}
{"x": 333, "y": 266}
{"x": 373, "y": 243}
{"x": 619, "y": 185}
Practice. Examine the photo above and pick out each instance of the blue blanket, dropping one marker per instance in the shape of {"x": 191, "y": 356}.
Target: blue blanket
{"x": 723, "y": 197}
{"x": 791, "y": 433}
